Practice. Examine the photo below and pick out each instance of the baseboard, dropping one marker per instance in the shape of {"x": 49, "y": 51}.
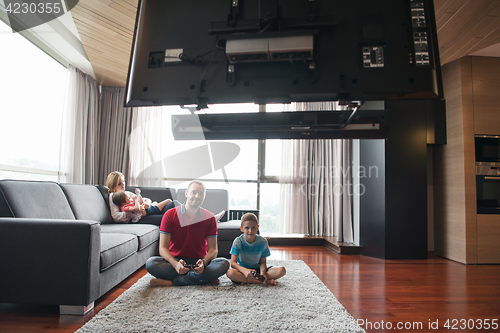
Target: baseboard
{"x": 286, "y": 240}
{"x": 302, "y": 240}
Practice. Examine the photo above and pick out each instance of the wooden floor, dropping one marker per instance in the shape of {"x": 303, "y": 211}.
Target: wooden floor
{"x": 377, "y": 293}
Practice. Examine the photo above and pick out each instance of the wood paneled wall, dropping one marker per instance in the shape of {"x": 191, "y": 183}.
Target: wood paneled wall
{"x": 471, "y": 89}
{"x": 486, "y": 87}
{"x": 488, "y": 235}
{"x": 454, "y": 173}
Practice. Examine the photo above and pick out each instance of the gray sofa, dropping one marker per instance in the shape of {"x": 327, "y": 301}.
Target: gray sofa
{"x": 59, "y": 244}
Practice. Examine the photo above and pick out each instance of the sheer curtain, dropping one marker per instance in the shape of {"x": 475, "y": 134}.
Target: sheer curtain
{"x": 79, "y": 138}
{"x": 152, "y": 147}
{"x": 115, "y": 121}
{"x": 145, "y": 167}
{"x": 316, "y": 185}
{"x": 293, "y": 214}
{"x": 95, "y": 132}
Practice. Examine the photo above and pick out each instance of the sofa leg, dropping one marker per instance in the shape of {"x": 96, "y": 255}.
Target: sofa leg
{"x": 75, "y": 310}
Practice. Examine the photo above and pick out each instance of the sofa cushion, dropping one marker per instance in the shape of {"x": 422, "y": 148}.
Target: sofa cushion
{"x": 228, "y": 230}
{"x": 151, "y": 219}
{"x": 145, "y": 233}
{"x": 154, "y": 193}
{"x": 34, "y": 199}
{"x": 87, "y": 202}
{"x": 116, "y": 247}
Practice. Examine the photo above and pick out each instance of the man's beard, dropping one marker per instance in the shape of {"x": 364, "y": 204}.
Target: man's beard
{"x": 195, "y": 203}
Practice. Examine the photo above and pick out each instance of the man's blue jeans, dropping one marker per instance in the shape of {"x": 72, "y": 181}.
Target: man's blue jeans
{"x": 160, "y": 268}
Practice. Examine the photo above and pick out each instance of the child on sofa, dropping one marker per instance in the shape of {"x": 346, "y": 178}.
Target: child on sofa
{"x": 125, "y": 200}
{"x": 248, "y": 256}
{"x": 116, "y": 183}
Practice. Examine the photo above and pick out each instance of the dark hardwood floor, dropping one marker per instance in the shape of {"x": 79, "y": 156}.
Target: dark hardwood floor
{"x": 378, "y": 293}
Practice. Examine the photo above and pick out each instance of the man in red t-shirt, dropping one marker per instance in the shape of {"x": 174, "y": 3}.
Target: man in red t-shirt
{"x": 188, "y": 244}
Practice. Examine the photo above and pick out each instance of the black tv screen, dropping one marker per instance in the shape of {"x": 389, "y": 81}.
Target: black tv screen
{"x": 280, "y": 51}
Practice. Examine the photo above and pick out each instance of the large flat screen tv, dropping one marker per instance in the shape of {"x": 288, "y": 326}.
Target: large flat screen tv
{"x": 279, "y": 51}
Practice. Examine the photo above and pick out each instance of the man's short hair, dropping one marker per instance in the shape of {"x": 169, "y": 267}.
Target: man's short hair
{"x": 198, "y": 183}
{"x": 249, "y": 217}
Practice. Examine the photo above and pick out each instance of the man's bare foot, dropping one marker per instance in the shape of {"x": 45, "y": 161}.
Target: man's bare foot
{"x": 271, "y": 282}
{"x": 160, "y": 283}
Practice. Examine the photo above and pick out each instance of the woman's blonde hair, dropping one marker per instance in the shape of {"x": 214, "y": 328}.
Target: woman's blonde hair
{"x": 249, "y": 217}
{"x": 113, "y": 180}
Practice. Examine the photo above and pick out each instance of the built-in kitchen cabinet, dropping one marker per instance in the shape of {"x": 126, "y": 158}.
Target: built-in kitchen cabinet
{"x": 472, "y": 93}
{"x": 486, "y": 93}
{"x": 488, "y": 239}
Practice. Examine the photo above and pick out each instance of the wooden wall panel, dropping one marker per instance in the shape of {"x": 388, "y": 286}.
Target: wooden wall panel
{"x": 486, "y": 85}
{"x": 471, "y": 89}
{"x": 455, "y": 211}
{"x": 469, "y": 160}
{"x": 449, "y": 205}
{"x": 488, "y": 235}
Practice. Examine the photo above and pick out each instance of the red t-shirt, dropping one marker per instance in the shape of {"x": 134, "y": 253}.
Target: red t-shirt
{"x": 188, "y": 235}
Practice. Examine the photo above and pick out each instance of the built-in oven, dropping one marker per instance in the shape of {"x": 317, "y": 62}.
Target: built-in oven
{"x": 488, "y": 173}
{"x": 487, "y": 148}
{"x": 488, "y": 187}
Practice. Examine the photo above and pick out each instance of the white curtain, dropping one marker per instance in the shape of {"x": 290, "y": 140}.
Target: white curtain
{"x": 96, "y": 129}
{"x": 293, "y": 195}
{"x": 316, "y": 185}
{"x": 147, "y": 140}
{"x": 79, "y": 154}
{"x": 115, "y": 121}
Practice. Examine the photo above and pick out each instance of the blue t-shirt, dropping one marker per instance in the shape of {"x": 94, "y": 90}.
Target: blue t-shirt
{"x": 249, "y": 255}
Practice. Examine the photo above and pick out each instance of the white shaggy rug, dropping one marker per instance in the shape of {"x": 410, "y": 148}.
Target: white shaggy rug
{"x": 299, "y": 303}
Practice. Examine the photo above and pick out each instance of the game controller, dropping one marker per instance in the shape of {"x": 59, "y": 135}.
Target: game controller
{"x": 258, "y": 276}
{"x": 190, "y": 266}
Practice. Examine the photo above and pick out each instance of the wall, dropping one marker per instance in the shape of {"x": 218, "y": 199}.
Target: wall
{"x": 449, "y": 164}
{"x": 393, "y": 210}
{"x": 471, "y": 87}
{"x": 430, "y": 199}
{"x": 486, "y": 89}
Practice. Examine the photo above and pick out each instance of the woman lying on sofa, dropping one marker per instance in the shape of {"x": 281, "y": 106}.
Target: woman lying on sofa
{"x": 116, "y": 183}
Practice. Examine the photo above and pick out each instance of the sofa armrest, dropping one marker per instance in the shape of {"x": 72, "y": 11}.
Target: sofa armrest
{"x": 49, "y": 261}
{"x": 236, "y": 214}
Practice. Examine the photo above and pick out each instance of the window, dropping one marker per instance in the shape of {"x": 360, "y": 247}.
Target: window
{"x": 249, "y": 183}
{"x": 32, "y": 85}
{"x": 251, "y": 186}
{"x": 239, "y": 176}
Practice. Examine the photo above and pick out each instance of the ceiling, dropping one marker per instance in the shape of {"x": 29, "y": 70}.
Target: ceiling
{"x": 106, "y": 27}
